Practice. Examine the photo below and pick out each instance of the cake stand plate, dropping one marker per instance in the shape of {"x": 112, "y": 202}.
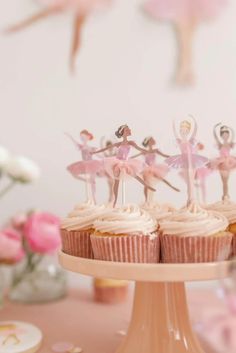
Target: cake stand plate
{"x": 160, "y": 321}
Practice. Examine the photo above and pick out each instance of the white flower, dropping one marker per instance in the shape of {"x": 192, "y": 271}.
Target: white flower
{"x": 22, "y": 169}
{"x": 4, "y": 157}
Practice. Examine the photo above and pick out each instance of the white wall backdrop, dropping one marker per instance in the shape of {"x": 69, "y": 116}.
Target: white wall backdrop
{"x": 123, "y": 76}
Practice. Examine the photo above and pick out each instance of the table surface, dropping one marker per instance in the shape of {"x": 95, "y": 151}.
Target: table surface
{"x": 94, "y": 327}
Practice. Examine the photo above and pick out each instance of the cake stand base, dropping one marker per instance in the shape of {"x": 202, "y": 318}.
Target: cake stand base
{"x": 160, "y": 321}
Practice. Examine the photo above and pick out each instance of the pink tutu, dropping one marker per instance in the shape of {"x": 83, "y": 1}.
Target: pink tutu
{"x": 158, "y": 171}
{"x": 85, "y": 167}
{"x": 184, "y": 9}
{"x": 83, "y": 6}
{"x": 181, "y": 161}
{"x": 203, "y": 173}
{"x": 224, "y": 163}
{"x": 116, "y": 168}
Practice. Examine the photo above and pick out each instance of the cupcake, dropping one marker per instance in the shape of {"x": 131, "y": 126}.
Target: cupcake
{"x": 159, "y": 212}
{"x": 126, "y": 234}
{"x": 228, "y": 209}
{"x": 110, "y": 291}
{"x": 77, "y": 227}
{"x": 194, "y": 235}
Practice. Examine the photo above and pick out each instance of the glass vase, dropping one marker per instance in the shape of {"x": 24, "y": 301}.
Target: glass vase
{"x": 38, "y": 281}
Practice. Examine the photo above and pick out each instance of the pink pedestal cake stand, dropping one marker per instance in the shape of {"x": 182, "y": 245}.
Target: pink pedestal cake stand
{"x": 160, "y": 321}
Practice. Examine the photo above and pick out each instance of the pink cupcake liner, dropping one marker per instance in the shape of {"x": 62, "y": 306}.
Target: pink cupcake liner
{"x": 130, "y": 248}
{"x": 177, "y": 249}
{"x": 77, "y": 243}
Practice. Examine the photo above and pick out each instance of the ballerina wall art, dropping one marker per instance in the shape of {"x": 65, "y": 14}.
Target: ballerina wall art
{"x": 186, "y": 16}
{"x": 226, "y": 162}
{"x": 79, "y": 9}
{"x": 121, "y": 166}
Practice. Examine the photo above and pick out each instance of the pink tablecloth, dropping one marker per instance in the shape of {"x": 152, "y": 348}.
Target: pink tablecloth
{"x": 92, "y": 326}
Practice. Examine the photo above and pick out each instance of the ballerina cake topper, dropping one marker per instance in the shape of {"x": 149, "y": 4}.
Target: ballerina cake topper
{"x": 81, "y": 10}
{"x": 87, "y": 169}
{"x": 225, "y": 163}
{"x": 121, "y": 166}
{"x": 153, "y": 172}
{"x": 200, "y": 178}
{"x": 188, "y": 161}
{"x": 110, "y": 152}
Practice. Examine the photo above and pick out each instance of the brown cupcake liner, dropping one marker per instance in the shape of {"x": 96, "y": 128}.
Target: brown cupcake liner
{"x": 77, "y": 243}
{"x": 130, "y": 248}
{"x": 111, "y": 295}
{"x": 234, "y": 245}
{"x": 177, "y": 249}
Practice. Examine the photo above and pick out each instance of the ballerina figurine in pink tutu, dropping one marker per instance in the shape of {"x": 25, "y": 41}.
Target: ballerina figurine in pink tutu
{"x": 225, "y": 163}
{"x": 188, "y": 161}
{"x": 121, "y": 165}
{"x": 153, "y": 172}
{"x": 186, "y": 15}
{"x": 87, "y": 169}
{"x": 81, "y": 10}
{"x": 103, "y": 174}
{"x": 200, "y": 176}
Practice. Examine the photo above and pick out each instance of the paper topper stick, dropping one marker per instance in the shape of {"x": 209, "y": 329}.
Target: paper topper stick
{"x": 121, "y": 165}
{"x": 188, "y": 161}
{"x": 80, "y": 9}
{"x": 87, "y": 169}
{"x": 225, "y": 163}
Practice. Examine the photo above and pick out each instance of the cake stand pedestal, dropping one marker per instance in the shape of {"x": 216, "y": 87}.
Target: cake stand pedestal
{"x": 160, "y": 321}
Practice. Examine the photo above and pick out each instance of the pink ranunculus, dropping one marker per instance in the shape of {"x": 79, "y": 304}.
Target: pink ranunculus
{"x": 11, "y": 248}
{"x": 42, "y": 232}
{"x": 18, "y": 221}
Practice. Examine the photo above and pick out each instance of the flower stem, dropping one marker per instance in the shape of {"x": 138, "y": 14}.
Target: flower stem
{"x": 10, "y": 186}
{"x": 31, "y": 264}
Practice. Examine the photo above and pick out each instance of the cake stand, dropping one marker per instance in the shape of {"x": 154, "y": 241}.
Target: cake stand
{"x": 160, "y": 321}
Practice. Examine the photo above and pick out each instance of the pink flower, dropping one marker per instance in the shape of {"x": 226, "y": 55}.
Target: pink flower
{"x": 42, "y": 231}
{"x": 18, "y": 221}
{"x": 11, "y": 249}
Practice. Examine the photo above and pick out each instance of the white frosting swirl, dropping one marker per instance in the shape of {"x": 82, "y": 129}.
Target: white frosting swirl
{"x": 226, "y": 207}
{"x": 159, "y": 212}
{"x": 83, "y": 216}
{"x": 129, "y": 219}
{"x": 194, "y": 221}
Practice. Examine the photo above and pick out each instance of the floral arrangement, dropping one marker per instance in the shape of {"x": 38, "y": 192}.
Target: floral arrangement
{"x": 28, "y": 237}
{"x": 16, "y": 169}
{"x": 26, "y": 240}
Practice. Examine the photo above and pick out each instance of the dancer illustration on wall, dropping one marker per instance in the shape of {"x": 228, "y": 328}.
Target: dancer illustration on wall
{"x": 186, "y": 16}
{"x": 80, "y": 9}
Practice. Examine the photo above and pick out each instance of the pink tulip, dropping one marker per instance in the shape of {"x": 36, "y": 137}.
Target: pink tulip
{"x": 42, "y": 232}
{"x": 11, "y": 249}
